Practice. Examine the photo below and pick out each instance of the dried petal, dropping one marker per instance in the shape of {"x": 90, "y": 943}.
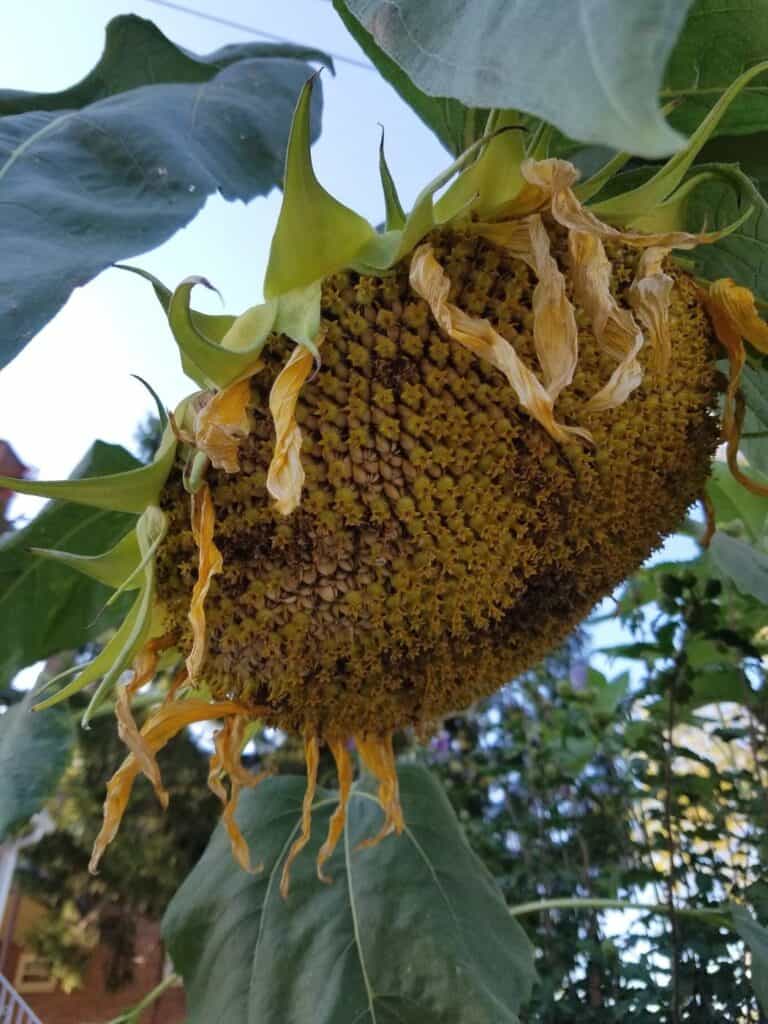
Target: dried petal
{"x": 312, "y": 757}
{"x": 285, "y": 477}
{"x": 209, "y": 563}
{"x": 344, "y": 771}
{"x": 650, "y": 295}
{"x": 378, "y": 757}
{"x": 161, "y": 726}
{"x": 554, "y": 322}
{"x": 223, "y": 422}
{"x": 429, "y": 280}
{"x": 739, "y": 304}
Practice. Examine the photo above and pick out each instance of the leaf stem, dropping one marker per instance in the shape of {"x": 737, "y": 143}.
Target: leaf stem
{"x": 132, "y": 1015}
{"x": 586, "y": 903}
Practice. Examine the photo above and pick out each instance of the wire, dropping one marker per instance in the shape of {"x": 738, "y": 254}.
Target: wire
{"x": 254, "y": 31}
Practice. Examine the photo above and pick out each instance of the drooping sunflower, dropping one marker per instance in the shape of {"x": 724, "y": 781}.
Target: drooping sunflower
{"x": 418, "y": 464}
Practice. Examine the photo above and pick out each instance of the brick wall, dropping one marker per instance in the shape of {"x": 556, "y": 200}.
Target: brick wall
{"x": 92, "y": 1004}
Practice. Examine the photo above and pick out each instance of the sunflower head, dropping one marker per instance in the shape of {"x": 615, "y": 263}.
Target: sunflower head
{"x": 417, "y": 465}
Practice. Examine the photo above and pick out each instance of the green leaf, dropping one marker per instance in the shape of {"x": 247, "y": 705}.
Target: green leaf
{"x": 734, "y": 502}
{"x": 756, "y": 939}
{"x": 592, "y": 69}
{"x": 745, "y": 566}
{"x": 717, "y": 43}
{"x": 412, "y": 931}
{"x": 34, "y": 752}
{"x": 315, "y": 233}
{"x": 455, "y": 125}
{"x": 86, "y": 181}
{"x": 44, "y": 606}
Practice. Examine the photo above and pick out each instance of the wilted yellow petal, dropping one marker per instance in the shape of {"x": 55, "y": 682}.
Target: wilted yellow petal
{"x": 649, "y": 295}
{"x": 554, "y": 322}
{"x": 729, "y": 334}
{"x": 512, "y": 235}
{"x": 739, "y": 303}
{"x": 161, "y": 726}
{"x": 429, "y": 280}
{"x": 312, "y": 758}
{"x": 143, "y": 672}
{"x": 223, "y": 422}
{"x": 209, "y": 563}
{"x": 615, "y": 328}
{"x": 555, "y": 177}
{"x": 226, "y": 760}
{"x": 338, "y": 818}
{"x": 285, "y": 477}
{"x": 378, "y": 757}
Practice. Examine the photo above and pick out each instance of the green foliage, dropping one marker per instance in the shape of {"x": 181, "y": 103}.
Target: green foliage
{"x": 34, "y": 752}
{"x": 119, "y": 162}
{"x": 592, "y": 70}
{"x": 413, "y": 930}
{"x": 146, "y": 863}
{"x": 68, "y": 608}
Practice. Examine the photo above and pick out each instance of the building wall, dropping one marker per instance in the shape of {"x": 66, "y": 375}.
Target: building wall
{"x": 93, "y": 1004}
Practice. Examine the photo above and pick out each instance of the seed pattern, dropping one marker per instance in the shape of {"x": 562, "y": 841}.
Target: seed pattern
{"x": 444, "y": 541}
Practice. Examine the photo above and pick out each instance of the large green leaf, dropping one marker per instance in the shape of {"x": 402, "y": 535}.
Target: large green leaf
{"x": 755, "y": 937}
{"x": 456, "y": 125}
{"x": 745, "y": 566}
{"x": 34, "y": 751}
{"x": 718, "y": 42}
{"x": 45, "y": 606}
{"x": 108, "y": 178}
{"x": 593, "y": 68}
{"x": 413, "y": 931}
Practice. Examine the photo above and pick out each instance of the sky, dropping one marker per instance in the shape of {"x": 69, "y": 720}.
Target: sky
{"x": 73, "y": 383}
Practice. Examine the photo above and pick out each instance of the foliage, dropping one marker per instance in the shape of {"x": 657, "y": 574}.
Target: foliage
{"x": 139, "y": 877}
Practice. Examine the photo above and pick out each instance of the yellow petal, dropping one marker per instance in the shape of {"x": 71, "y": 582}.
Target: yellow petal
{"x": 223, "y": 422}
{"x": 615, "y": 328}
{"x": 338, "y": 818}
{"x": 312, "y": 757}
{"x": 209, "y": 563}
{"x": 285, "y": 477}
{"x": 143, "y": 672}
{"x": 554, "y": 322}
{"x": 428, "y": 280}
{"x": 739, "y": 304}
{"x": 378, "y": 757}
{"x": 161, "y": 726}
{"x": 555, "y": 178}
{"x": 650, "y": 295}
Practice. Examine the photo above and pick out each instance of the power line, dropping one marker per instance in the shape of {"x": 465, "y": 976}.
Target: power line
{"x": 183, "y": 9}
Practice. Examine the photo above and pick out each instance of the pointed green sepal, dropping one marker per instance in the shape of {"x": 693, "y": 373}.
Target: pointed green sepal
{"x": 162, "y": 412}
{"x": 394, "y": 212}
{"x": 131, "y": 491}
{"x": 126, "y": 643}
{"x": 540, "y": 141}
{"x": 112, "y": 568}
{"x": 494, "y": 178}
{"x": 315, "y": 234}
{"x": 208, "y": 361}
{"x": 622, "y": 209}
{"x": 298, "y": 316}
{"x": 586, "y": 190}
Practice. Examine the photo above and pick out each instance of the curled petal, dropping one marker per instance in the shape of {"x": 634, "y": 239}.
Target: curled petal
{"x": 512, "y": 235}
{"x": 143, "y": 672}
{"x": 209, "y": 563}
{"x": 226, "y": 760}
{"x": 312, "y": 758}
{"x": 161, "y": 726}
{"x": 429, "y": 280}
{"x": 285, "y": 477}
{"x": 739, "y": 304}
{"x": 554, "y": 322}
{"x": 615, "y": 328}
{"x": 555, "y": 178}
{"x": 378, "y": 757}
{"x": 649, "y": 295}
{"x": 223, "y": 422}
{"x": 729, "y": 334}
{"x": 338, "y": 818}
